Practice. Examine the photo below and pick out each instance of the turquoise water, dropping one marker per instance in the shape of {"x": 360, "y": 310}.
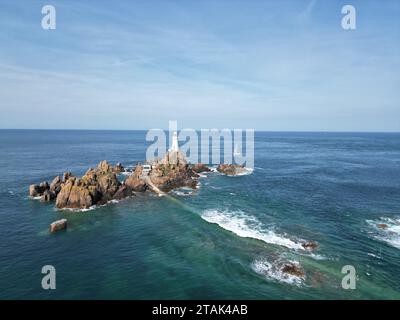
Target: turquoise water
{"x": 223, "y": 241}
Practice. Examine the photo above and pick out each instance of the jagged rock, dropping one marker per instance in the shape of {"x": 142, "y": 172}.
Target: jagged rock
{"x": 293, "y": 269}
{"x": 58, "y": 225}
{"x": 200, "y": 167}
{"x": 44, "y": 185}
{"x": 169, "y": 176}
{"x": 47, "y": 196}
{"x": 119, "y": 168}
{"x": 55, "y": 185}
{"x": 309, "y": 245}
{"x": 34, "y": 190}
{"x": 97, "y": 186}
{"x": 231, "y": 169}
{"x": 104, "y": 166}
{"x": 134, "y": 181}
{"x": 63, "y": 195}
{"x": 173, "y": 158}
{"x": 66, "y": 176}
{"x": 123, "y": 192}
{"x": 38, "y": 190}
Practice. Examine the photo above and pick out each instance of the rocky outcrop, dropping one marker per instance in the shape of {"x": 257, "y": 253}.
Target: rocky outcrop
{"x": 135, "y": 182}
{"x": 97, "y": 186}
{"x": 55, "y": 185}
{"x": 167, "y": 176}
{"x": 231, "y": 169}
{"x": 119, "y": 168}
{"x": 58, "y": 225}
{"x": 36, "y": 190}
{"x": 100, "y": 185}
{"x": 200, "y": 167}
{"x": 45, "y": 191}
{"x": 47, "y": 196}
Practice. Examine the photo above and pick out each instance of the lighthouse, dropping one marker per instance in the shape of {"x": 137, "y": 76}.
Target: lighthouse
{"x": 174, "y": 145}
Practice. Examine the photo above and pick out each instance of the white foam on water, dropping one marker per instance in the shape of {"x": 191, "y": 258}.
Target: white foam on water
{"x": 247, "y": 226}
{"x": 374, "y": 255}
{"x": 79, "y": 210}
{"x": 318, "y": 256}
{"x": 246, "y": 172}
{"x": 113, "y": 201}
{"x": 216, "y": 188}
{"x": 183, "y": 191}
{"x": 390, "y": 234}
{"x": 272, "y": 271}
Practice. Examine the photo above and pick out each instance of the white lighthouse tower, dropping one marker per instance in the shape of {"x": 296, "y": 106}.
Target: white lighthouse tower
{"x": 174, "y": 145}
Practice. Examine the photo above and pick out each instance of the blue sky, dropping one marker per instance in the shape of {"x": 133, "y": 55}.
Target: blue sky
{"x": 267, "y": 65}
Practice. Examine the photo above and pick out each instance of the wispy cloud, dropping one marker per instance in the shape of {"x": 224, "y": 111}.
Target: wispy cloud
{"x": 219, "y": 64}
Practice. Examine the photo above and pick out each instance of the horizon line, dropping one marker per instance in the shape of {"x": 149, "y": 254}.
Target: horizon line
{"x": 166, "y": 129}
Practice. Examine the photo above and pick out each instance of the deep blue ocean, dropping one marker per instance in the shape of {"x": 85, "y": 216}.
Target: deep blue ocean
{"x": 223, "y": 241}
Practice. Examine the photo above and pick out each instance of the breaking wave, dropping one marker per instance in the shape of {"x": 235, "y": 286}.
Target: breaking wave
{"x": 249, "y": 227}
{"x": 386, "y": 230}
{"x": 183, "y": 191}
{"x": 273, "y": 271}
{"x": 246, "y": 172}
{"x": 94, "y": 207}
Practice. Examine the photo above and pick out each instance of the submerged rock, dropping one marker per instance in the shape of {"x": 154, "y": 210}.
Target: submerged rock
{"x": 58, "y": 225}
{"x": 293, "y": 269}
{"x": 231, "y": 169}
{"x": 309, "y": 245}
{"x": 382, "y": 225}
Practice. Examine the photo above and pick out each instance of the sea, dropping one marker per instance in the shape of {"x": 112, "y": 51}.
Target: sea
{"x": 228, "y": 239}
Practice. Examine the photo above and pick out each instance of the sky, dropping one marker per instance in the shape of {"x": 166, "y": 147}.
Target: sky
{"x": 265, "y": 65}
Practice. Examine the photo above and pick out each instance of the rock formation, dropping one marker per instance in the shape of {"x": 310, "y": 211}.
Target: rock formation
{"x": 97, "y": 186}
{"x": 169, "y": 176}
{"x": 58, "y": 225}
{"x": 119, "y": 168}
{"x": 199, "y": 168}
{"x": 231, "y": 169}
{"x": 135, "y": 182}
